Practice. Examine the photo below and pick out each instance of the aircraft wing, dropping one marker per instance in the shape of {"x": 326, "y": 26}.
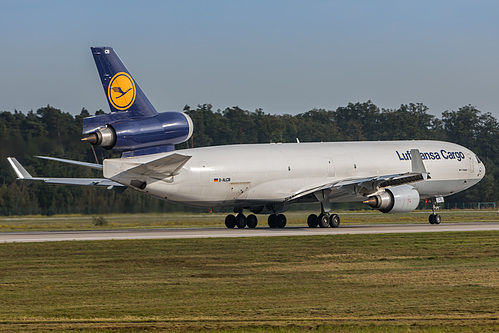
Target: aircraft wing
{"x": 369, "y": 185}
{"x": 22, "y": 174}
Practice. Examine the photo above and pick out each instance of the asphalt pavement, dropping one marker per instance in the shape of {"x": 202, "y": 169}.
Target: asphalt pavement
{"x": 52, "y": 236}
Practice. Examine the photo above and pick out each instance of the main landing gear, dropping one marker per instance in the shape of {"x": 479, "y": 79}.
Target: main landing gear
{"x": 279, "y": 221}
{"x": 434, "y": 218}
{"x": 241, "y": 221}
{"x": 324, "y": 220}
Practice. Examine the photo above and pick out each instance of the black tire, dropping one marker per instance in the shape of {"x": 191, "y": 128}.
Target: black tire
{"x": 431, "y": 219}
{"x": 334, "y": 221}
{"x": 281, "y": 221}
{"x": 241, "y": 221}
{"x": 272, "y": 221}
{"x": 230, "y": 221}
{"x": 251, "y": 221}
{"x": 323, "y": 221}
{"x": 312, "y": 221}
{"x": 437, "y": 219}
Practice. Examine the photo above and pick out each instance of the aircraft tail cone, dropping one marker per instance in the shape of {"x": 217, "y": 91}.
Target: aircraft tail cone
{"x": 92, "y": 138}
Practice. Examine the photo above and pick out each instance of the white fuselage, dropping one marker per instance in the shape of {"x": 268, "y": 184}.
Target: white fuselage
{"x": 260, "y": 174}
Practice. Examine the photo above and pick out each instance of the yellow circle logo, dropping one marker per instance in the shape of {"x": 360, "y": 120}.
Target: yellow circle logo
{"x": 121, "y": 91}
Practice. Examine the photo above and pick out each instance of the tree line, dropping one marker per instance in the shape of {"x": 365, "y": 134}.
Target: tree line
{"x": 52, "y": 132}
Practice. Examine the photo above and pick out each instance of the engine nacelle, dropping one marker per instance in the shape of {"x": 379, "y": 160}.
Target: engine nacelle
{"x": 167, "y": 128}
{"x": 398, "y": 199}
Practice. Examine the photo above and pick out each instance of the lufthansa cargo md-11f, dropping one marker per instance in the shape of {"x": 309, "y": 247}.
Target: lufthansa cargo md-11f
{"x": 391, "y": 176}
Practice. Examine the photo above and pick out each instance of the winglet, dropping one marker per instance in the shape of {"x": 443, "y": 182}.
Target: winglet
{"x": 19, "y": 169}
{"x": 417, "y": 163}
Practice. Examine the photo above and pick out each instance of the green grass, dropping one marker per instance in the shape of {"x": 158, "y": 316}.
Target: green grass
{"x": 386, "y": 283}
{"x": 177, "y": 220}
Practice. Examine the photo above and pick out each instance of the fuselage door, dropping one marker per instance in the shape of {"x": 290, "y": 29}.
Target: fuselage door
{"x": 329, "y": 167}
{"x": 204, "y": 174}
{"x": 471, "y": 163}
{"x": 238, "y": 191}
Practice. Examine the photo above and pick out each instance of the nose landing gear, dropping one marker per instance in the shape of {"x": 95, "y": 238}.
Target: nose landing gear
{"x": 434, "y": 218}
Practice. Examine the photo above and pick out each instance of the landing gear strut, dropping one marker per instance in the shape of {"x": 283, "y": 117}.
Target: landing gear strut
{"x": 434, "y": 218}
{"x": 325, "y": 219}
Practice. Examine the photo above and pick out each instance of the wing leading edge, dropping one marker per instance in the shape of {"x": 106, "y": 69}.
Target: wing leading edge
{"x": 369, "y": 185}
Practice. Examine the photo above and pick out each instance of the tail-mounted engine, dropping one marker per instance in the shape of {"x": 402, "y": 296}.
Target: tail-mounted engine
{"x": 398, "y": 199}
{"x": 125, "y": 134}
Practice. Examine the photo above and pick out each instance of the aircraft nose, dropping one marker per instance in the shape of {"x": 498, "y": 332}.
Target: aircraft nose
{"x": 481, "y": 169}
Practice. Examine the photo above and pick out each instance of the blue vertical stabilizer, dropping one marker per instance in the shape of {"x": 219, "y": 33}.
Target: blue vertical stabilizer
{"x": 133, "y": 126}
{"x": 122, "y": 92}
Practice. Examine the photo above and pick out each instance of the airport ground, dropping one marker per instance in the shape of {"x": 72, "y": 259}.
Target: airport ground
{"x": 415, "y": 282}
{"x": 215, "y": 220}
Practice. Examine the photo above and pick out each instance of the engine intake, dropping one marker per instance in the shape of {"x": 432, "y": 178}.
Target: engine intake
{"x": 398, "y": 199}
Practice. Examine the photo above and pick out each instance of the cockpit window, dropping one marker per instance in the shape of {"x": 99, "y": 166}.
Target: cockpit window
{"x": 478, "y": 160}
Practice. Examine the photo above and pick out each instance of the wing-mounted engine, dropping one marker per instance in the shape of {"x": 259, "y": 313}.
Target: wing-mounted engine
{"x": 397, "y": 199}
{"x": 124, "y": 134}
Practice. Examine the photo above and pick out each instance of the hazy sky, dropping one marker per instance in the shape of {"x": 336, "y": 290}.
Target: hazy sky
{"x": 282, "y": 56}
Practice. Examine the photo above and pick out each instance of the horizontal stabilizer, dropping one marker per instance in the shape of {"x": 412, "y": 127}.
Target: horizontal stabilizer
{"x": 86, "y": 164}
{"x": 80, "y": 181}
{"x": 162, "y": 167}
{"x": 22, "y": 174}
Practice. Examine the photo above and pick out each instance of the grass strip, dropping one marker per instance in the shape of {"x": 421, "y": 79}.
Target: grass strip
{"x": 390, "y": 282}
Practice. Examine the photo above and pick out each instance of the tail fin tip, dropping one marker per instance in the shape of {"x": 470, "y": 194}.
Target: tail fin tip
{"x": 120, "y": 88}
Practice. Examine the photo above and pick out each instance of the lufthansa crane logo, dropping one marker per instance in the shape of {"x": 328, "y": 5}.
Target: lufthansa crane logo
{"x": 121, "y": 91}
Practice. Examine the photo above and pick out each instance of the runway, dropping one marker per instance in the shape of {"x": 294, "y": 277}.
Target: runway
{"x": 53, "y": 236}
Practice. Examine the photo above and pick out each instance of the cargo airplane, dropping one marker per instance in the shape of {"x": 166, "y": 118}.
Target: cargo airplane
{"x": 391, "y": 176}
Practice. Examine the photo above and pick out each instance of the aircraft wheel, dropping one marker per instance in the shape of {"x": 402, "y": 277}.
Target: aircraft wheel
{"x": 431, "y": 219}
{"x": 230, "y": 221}
{"x": 437, "y": 219}
{"x": 323, "y": 220}
{"x": 281, "y": 221}
{"x": 241, "y": 221}
{"x": 334, "y": 221}
{"x": 272, "y": 221}
{"x": 251, "y": 221}
{"x": 312, "y": 221}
